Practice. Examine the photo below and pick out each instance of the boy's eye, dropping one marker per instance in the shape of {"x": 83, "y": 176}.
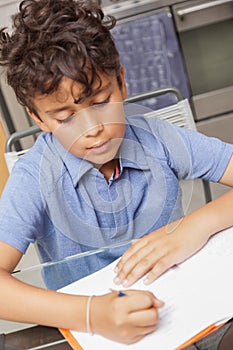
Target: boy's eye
{"x": 66, "y": 120}
{"x": 102, "y": 103}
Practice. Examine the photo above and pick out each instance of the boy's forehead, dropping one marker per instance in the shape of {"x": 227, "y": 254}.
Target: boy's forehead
{"x": 72, "y": 90}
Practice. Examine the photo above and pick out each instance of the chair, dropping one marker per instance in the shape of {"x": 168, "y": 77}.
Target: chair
{"x": 12, "y": 156}
{"x": 179, "y": 114}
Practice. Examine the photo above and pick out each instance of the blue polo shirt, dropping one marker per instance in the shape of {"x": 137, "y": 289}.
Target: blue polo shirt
{"x": 65, "y": 205}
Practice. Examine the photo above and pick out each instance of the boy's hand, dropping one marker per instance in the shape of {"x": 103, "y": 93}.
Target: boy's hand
{"x": 157, "y": 252}
{"x": 125, "y": 319}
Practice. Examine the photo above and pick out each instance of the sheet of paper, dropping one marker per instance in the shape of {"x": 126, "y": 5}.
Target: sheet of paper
{"x": 196, "y": 293}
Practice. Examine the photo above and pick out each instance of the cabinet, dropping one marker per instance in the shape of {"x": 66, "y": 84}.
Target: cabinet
{"x": 220, "y": 127}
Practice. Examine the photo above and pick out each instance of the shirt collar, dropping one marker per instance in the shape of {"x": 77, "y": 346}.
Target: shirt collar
{"x": 132, "y": 152}
{"x": 76, "y": 166}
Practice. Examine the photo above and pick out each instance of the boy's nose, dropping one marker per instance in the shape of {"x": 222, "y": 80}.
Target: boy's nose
{"x": 93, "y": 130}
{"x": 90, "y": 122}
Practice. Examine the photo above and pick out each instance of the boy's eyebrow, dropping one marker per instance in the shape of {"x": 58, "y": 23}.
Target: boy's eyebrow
{"x": 65, "y": 108}
{"x": 57, "y": 110}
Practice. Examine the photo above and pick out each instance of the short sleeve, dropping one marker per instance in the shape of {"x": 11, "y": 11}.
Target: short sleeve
{"x": 193, "y": 155}
{"x": 21, "y": 209}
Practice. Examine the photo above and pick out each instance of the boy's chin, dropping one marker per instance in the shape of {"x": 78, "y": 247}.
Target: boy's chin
{"x": 100, "y": 162}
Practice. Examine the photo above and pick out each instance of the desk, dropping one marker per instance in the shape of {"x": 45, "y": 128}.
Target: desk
{"x": 48, "y": 338}
{"x": 34, "y": 338}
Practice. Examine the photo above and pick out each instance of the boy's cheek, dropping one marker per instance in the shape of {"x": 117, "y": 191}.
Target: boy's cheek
{"x": 110, "y": 116}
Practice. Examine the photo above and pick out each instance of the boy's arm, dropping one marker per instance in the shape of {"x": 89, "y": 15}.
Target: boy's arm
{"x": 171, "y": 244}
{"x": 25, "y": 303}
{"x": 125, "y": 319}
{"x": 227, "y": 177}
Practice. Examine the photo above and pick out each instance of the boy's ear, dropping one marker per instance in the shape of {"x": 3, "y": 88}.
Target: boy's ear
{"x": 38, "y": 121}
{"x": 124, "y": 92}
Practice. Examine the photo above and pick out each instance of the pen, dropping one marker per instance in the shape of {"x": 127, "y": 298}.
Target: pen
{"x": 119, "y": 293}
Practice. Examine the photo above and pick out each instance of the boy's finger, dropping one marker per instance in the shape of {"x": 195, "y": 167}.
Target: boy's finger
{"x": 140, "y": 265}
{"x": 135, "y": 267}
{"x": 136, "y": 245}
{"x": 158, "y": 303}
{"x": 141, "y": 332}
{"x": 145, "y": 318}
{"x": 159, "y": 268}
{"x": 142, "y": 300}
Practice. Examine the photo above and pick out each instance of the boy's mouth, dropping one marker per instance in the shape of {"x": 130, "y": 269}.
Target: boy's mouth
{"x": 99, "y": 147}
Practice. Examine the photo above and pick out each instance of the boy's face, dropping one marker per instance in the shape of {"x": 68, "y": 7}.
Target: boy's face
{"x": 92, "y": 129}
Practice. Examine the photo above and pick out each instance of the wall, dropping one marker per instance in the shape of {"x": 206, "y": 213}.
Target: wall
{"x": 7, "y": 8}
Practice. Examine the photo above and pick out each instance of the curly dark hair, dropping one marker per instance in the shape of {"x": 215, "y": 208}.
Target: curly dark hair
{"x": 56, "y": 38}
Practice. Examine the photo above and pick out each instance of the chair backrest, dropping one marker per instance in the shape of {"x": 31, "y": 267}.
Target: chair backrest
{"x": 179, "y": 114}
{"x": 12, "y": 156}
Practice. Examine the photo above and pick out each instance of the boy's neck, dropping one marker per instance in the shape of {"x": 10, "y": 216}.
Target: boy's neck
{"x": 108, "y": 168}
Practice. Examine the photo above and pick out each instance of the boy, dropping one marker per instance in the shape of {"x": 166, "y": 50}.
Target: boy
{"x": 93, "y": 178}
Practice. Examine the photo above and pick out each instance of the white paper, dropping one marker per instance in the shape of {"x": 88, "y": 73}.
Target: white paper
{"x": 197, "y": 293}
